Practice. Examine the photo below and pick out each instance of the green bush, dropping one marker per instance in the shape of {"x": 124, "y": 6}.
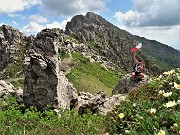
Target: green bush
{"x": 16, "y": 120}
{"x": 63, "y": 54}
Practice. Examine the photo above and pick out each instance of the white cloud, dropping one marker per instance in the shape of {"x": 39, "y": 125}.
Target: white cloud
{"x": 168, "y": 35}
{"x": 70, "y": 8}
{"x": 129, "y": 18}
{"x": 10, "y": 6}
{"x": 37, "y": 18}
{"x": 64, "y": 22}
{"x": 153, "y": 19}
{"x": 14, "y": 22}
{"x": 23, "y": 17}
{"x": 1, "y": 24}
{"x": 151, "y": 13}
{"x": 54, "y": 25}
{"x": 32, "y": 28}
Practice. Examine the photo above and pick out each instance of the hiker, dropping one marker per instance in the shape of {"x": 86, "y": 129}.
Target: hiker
{"x": 138, "y": 68}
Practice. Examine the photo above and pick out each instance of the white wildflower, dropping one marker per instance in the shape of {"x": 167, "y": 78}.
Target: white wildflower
{"x": 161, "y": 132}
{"x": 152, "y": 110}
{"x": 160, "y": 76}
{"x": 172, "y": 71}
{"x": 177, "y": 86}
{"x": 178, "y": 76}
{"x": 134, "y": 104}
{"x": 127, "y": 131}
{"x": 170, "y": 104}
{"x": 166, "y": 73}
{"x": 178, "y": 102}
{"x": 161, "y": 92}
{"x": 168, "y": 94}
{"x": 175, "y": 125}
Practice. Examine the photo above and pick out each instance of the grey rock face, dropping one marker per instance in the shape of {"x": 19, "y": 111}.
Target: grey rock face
{"x": 45, "y": 85}
{"x": 125, "y": 84}
{"x": 6, "y": 88}
{"x": 9, "y": 38}
{"x": 102, "y": 37}
{"x": 98, "y": 103}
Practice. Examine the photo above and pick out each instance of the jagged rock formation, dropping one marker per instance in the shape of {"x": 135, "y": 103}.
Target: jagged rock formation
{"x": 114, "y": 43}
{"x": 98, "y": 103}
{"x": 45, "y": 85}
{"x": 101, "y": 37}
{"x": 11, "y": 51}
{"x": 125, "y": 84}
{"x": 7, "y": 88}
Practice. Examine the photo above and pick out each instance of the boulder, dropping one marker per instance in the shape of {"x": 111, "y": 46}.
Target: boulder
{"x": 6, "y": 88}
{"x": 97, "y": 103}
{"x": 45, "y": 84}
{"x": 125, "y": 84}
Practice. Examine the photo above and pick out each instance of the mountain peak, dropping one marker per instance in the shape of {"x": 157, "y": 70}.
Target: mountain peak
{"x": 113, "y": 43}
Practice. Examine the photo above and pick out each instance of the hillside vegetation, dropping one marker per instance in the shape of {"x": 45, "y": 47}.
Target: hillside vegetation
{"x": 152, "y": 109}
{"x": 92, "y": 77}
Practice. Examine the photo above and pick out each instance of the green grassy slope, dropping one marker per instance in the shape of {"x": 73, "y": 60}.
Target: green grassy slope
{"x": 91, "y": 77}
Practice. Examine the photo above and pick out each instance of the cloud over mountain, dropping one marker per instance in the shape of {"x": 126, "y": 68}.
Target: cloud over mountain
{"x": 10, "y": 6}
{"x": 151, "y": 13}
{"x": 61, "y": 8}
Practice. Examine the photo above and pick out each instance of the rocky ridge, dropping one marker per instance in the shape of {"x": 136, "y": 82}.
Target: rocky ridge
{"x": 113, "y": 43}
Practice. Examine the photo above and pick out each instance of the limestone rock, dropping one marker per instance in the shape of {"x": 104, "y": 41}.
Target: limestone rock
{"x": 6, "y": 88}
{"x": 11, "y": 44}
{"x": 45, "y": 85}
{"x": 9, "y": 37}
{"x": 97, "y": 103}
{"x": 125, "y": 84}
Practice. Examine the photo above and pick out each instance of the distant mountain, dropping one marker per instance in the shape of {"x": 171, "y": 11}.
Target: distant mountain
{"x": 114, "y": 43}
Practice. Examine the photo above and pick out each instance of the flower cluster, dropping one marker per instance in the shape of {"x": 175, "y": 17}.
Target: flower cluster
{"x": 169, "y": 86}
{"x": 151, "y": 109}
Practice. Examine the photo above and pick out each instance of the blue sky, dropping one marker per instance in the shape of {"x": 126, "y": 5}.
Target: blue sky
{"x": 153, "y": 19}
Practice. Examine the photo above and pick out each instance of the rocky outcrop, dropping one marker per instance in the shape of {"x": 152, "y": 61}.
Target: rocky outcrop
{"x": 45, "y": 85}
{"x": 9, "y": 38}
{"x": 11, "y": 48}
{"x": 97, "y": 103}
{"x": 6, "y": 88}
{"x": 102, "y": 38}
{"x": 125, "y": 84}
